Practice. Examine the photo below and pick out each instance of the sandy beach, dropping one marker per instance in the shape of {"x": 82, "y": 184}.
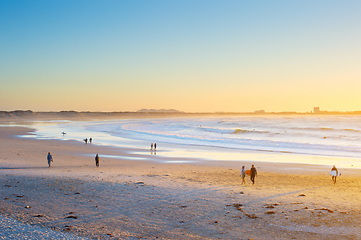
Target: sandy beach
{"x": 134, "y": 199}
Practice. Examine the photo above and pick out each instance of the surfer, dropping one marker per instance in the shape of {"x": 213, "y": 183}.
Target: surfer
{"x": 97, "y": 160}
{"x": 50, "y": 159}
{"x": 253, "y": 173}
{"x": 243, "y": 175}
{"x": 334, "y": 177}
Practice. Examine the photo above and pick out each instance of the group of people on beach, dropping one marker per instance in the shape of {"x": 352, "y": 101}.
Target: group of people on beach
{"x": 153, "y": 146}
{"x": 86, "y": 140}
{"x": 252, "y": 173}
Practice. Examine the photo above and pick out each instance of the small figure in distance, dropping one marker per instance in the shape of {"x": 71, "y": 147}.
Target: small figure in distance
{"x": 334, "y": 177}
{"x": 50, "y": 159}
{"x": 155, "y": 146}
{"x": 90, "y": 140}
{"x": 151, "y": 146}
{"x": 86, "y": 141}
{"x": 97, "y": 160}
{"x": 253, "y": 173}
{"x": 243, "y": 175}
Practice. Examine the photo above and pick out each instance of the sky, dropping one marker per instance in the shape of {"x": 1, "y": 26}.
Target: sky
{"x": 193, "y": 56}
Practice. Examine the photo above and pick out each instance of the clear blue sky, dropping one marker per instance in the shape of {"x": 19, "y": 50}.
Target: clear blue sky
{"x": 187, "y": 55}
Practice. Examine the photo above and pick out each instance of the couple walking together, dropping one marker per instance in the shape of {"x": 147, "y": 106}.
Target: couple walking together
{"x": 253, "y": 173}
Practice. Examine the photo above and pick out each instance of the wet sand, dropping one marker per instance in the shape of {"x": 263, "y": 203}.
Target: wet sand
{"x": 132, "y": 199}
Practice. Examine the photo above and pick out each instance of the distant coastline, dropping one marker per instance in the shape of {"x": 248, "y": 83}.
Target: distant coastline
{"x": 154, "y": 113}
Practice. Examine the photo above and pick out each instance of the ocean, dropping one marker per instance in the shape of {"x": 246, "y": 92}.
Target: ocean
{"x": 307, "y": 139}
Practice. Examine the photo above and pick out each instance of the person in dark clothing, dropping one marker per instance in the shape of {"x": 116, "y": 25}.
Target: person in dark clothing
{"x": 97, "y": 160}
{"x": 86, "y": 141}
{"x": 155, "y": 146}
{"x": 151, "y": 146}
{"x": 253, "y": 173}
{"x": 334, "y": 177}
{"x": 90, "y": 140}
{"x": 49, "y": 158}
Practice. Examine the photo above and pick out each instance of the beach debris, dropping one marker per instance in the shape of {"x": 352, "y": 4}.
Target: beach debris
{"x": 269, "y": 212}
{"x": 7, "y": 185}
{"x": 302, "y": 195}
{"x": 181, "y": 222}
{"x": 296, "y": 203}
{"x": 183, "y": 206}
{"x": 71, "y": 213}
{"x": 71, "y": 216}
{"x": 20, "y": 196}
{"x": 252, "y": 216}
{"x": 324, "y": 209}
{"x": 39, "y": 215}
{"x": 68, "y": 226}
{"x": 140, "y": 183}
{"x": 27, "y": 207}
{"x": 6, "y": 198}
{"x": 215, "y": 221}
{"x": 237, "y": 205}
{"x": 269, "y": 206}
{"x": 241, "y": 193}
{"x": 77, "y": 193}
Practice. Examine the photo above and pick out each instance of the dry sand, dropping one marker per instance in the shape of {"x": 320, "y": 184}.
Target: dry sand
{"x": 133, "y": 199}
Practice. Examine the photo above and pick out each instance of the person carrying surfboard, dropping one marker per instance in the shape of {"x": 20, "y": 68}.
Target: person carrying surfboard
{"x": 334, "y": 176}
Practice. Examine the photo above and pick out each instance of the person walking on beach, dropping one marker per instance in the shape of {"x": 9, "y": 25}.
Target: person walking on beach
{"x": 334, "y": 177}
{"x": 97, "y": 160}
{"x": 155, "y": 146}
{"x": 243, "y": 175}
{"x": 86, "y": 141}
{"x": 151, "y": 146}
{"x": 50, "y": 159}
{"x": 90, "y": 140}
{"x": 253, "y": 173}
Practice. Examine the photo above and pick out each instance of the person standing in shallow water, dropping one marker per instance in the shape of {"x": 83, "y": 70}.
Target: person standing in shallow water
{"x": 155, "y": 146}
{"x": 97, "y": 160}
{"x": 334, "y": 177}
{"x": 50, "y": 159}
{"x": 151, "y": 146}
{"x": 243, "y": 175}
{"x": 253, "y": 173}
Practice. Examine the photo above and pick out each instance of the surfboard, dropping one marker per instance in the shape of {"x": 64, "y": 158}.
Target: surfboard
{"x": 333, "y": 173}
{"x": 248, "y": 172}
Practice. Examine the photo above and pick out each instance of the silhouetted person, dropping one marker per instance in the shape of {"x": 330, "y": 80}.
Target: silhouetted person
{"x": 86, "y": 141}
{"x": 253, "y": 173}
{"x": 155, "y": 146}
{"x": 334, "y": 177}
{"x": 90, "y": 140}
{"x": 97, "y": 160}
{"x": 151, "y": 146}
{"x": 50, "y": 159}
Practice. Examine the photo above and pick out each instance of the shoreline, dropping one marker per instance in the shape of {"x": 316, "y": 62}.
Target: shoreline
{"x": 200, "y": 152}
{"x": 153, "y": 199}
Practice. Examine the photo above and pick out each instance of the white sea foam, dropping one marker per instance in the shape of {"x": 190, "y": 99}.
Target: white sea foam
{"x": 334, "y": 136}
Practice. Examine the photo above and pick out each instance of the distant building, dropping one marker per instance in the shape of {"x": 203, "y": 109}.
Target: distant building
{"x": 259, "y": 111}
{"x": 316, "y": 110}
